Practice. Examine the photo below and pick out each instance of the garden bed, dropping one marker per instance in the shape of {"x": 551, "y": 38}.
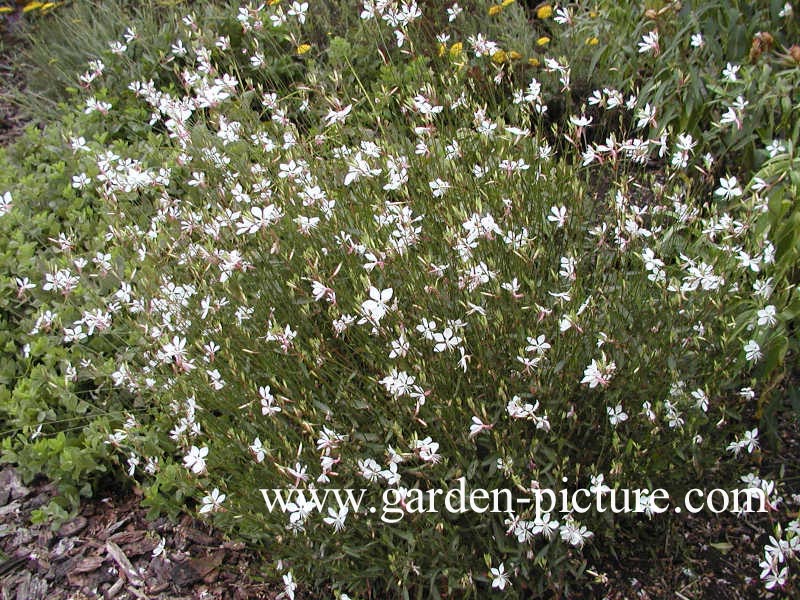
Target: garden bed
{"x": 388, "y": 247}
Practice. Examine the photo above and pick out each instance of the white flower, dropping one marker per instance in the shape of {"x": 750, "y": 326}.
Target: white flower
{"x": 728, "y": 188}
{"x": 596, "y": 374}
{"x": 542, "y": 524}
{"x": 701, "y": 399}
{"x": 195, "y": 460}
{"x": 697, "y": 40}
{"x": 439, "y": 187}
{"x": 369, "y": 469}
{"x": 423, "y": 106}
{"x": 616, "y": 415}
{"x": 5, "y": 203}
{"x": 178, "y": 49}
{"x": 376, "y": 307}
{"x": 453, "y": 12}
{"x": 268, "y": 406}
{"x": 766, "y": 316}
{"x": 730, "y": 71}
{"x": 649, "y": 43}
{"x": 336, "y": 519}
{"x": 582, "y": 121}
{"x": 575, "y": 534}
{"x": 558, "y": 215}
{"x": 598, "y": 486}
{"x": 646, "y": 116}
{"x": 298, "y": 10}
{"x": 258, "y": 451}
{"x": 747, "y": 393}
{"x": 772, "y": 577}
{"x": 563, "y": 16}
{"x": 446, "y": 340}
{"x": 427, "y": 450}
{"x": 74, "y": 334}
{"x": 750, "y": 440}
{"x": 774, "y": 148}
{"x": 752, "y": 351}
{"x": 212, "y": 502}
{"x": 538, "y": 345}
{"x": 477, "y": 427}
{"x": 289, "y": 587}
{"x": 92, "y": 105}
{"x": 500, "y": 577}
{"x": 337, "y": 116}
{"x": 400, "y": 347}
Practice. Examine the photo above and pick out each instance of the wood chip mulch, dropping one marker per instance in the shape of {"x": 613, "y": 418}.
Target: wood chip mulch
{"x": 110, "y": 550}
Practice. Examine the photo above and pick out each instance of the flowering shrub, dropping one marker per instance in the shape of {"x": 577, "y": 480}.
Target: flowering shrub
{"x": 722, "y": 72}
{"x": 308, "y": 272}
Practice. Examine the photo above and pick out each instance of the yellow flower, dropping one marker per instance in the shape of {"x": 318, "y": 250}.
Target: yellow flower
{"x": 592, "y": 41}
{"x": 303, "y": 48}
{"x": 31, "y": 6}
{"x": 543, "y": 41}
{"x": 495, "y": 10}
{"x": 593, "y": 14}
{"x": 545, "y": 11}
{"x": 505, "y": 3}
{"x": 455, "y": 50}
{"x": 514, "y": 55}
{"x": 5, "y": 9}
{"x": 534, "y": 62}
{"x": 499, "y": 57}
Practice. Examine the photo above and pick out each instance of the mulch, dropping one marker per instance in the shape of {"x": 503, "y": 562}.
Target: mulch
{"x": 111, "y": 550}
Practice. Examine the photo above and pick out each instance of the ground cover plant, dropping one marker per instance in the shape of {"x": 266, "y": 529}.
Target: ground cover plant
{"x": 391, "y": 245}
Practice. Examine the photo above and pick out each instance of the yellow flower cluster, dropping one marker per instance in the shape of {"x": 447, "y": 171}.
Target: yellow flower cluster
{"x": 496, "y": 9}
{"x": 40, "y": 6}
{"x": 501, "y": 56}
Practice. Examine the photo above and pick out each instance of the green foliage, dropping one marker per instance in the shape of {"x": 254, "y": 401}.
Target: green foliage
{"x": 56, "y": 403}
{"x": 684, "y": 79}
